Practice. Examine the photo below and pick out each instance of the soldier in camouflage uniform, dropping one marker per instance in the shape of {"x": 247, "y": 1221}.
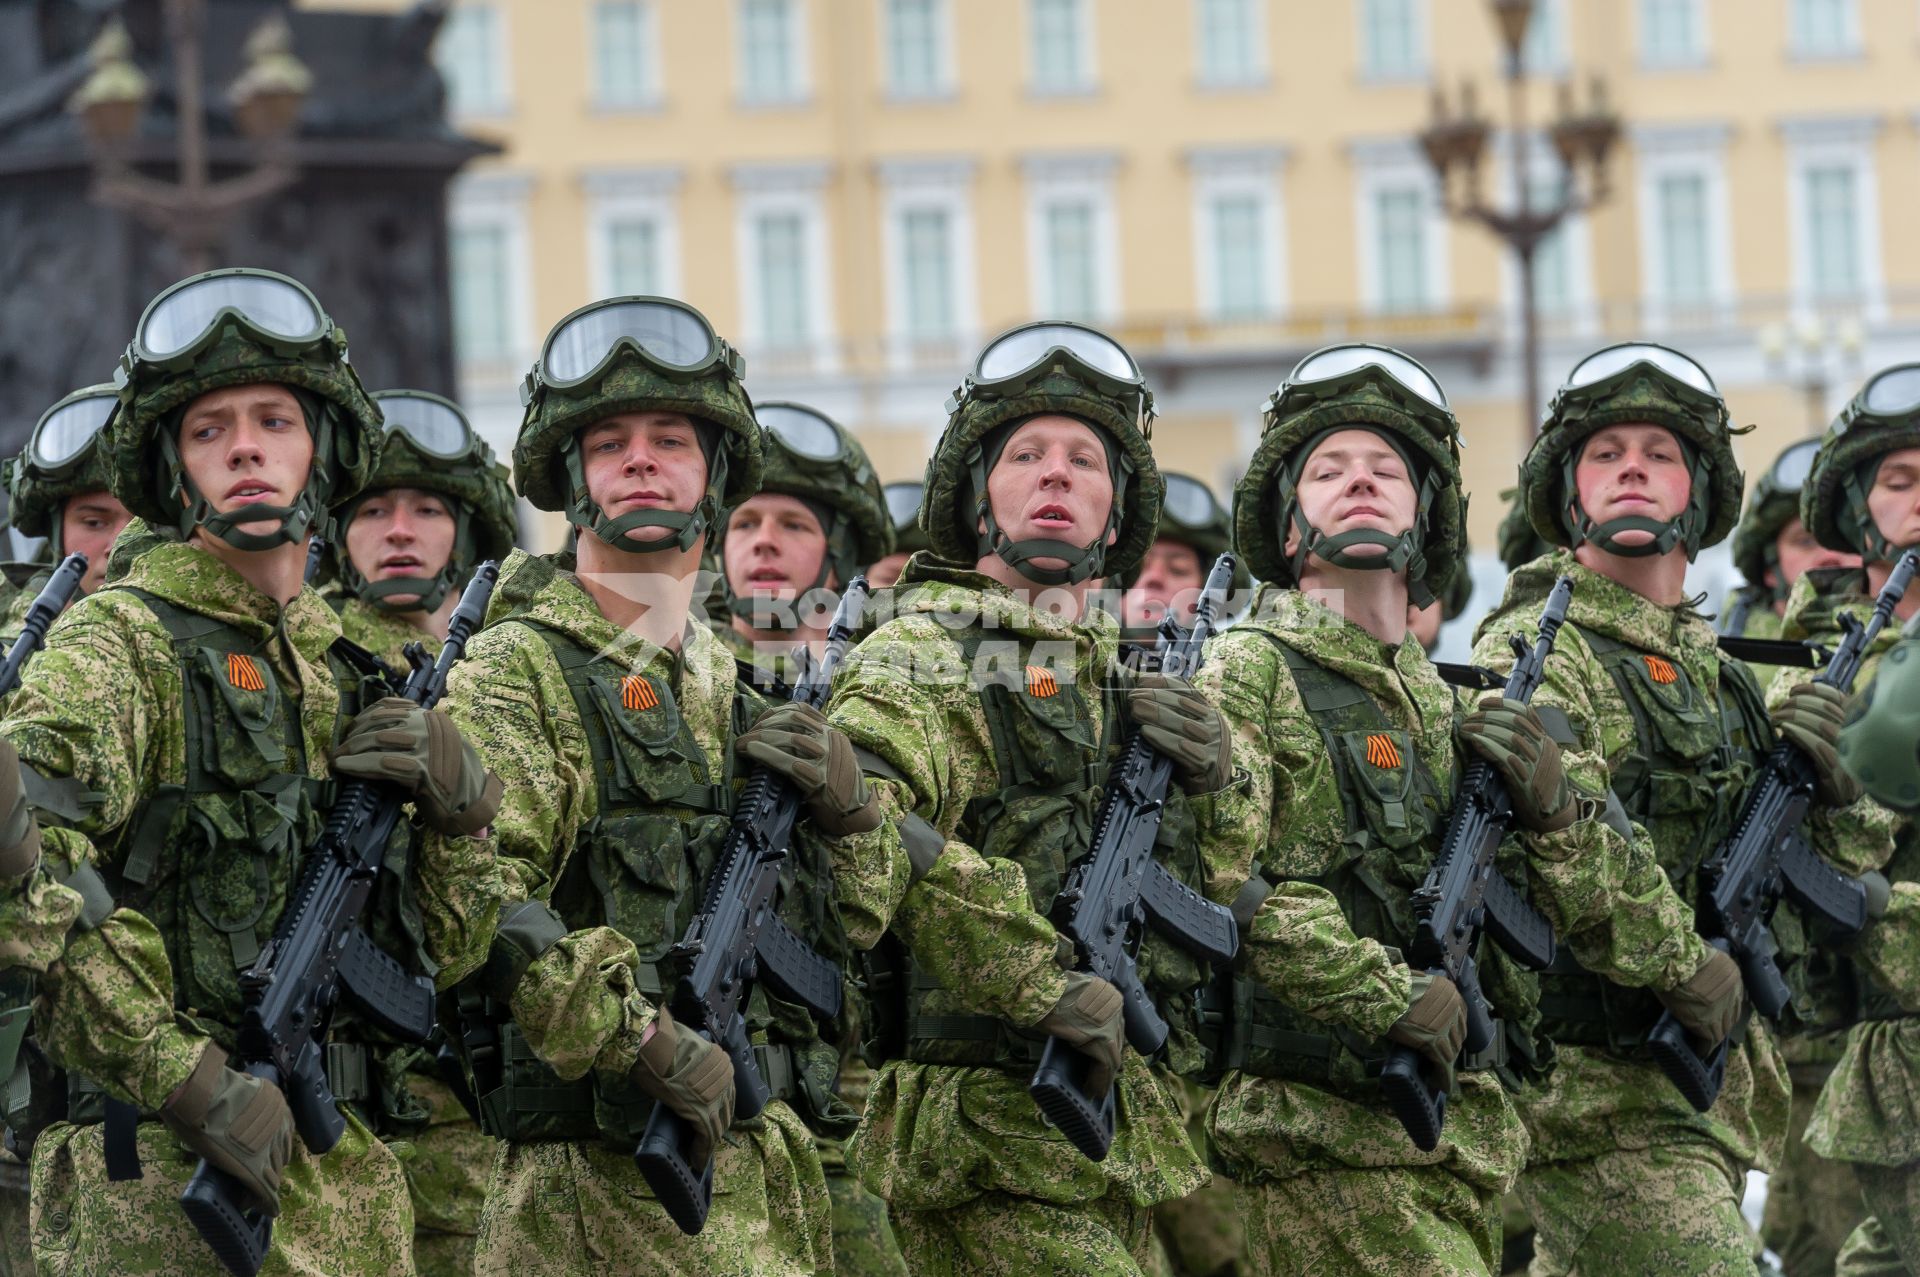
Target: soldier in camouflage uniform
{"x": 1634, "y": 473}
{"x": 616, "y": 719}
{"x": 175, "y": 743}
{"x": 436, "y": 508}
{"x": 57, "y": 489}
{"x": 909, "y": 538}
{"x": 986, "y": 721}
{"x": 1344, "y": 760}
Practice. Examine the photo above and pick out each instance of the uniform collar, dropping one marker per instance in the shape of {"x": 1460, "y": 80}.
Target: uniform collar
{"x": 195, "y": 581}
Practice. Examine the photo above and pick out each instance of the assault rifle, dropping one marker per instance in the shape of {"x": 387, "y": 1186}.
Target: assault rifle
{"x": 1465, "y": 893}
{"x": 1766, "y": 857}
{"x": 318, "y": 954}
{"x": 737, "y": 939}
{"x": 1117, "y": 890}
{"x": 43, "y": 612}
{"x": 316, "y": 551}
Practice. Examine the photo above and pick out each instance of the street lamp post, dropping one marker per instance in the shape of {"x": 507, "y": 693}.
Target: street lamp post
{"x": 1454, "y": 143}
{"x": 195, "y": 210}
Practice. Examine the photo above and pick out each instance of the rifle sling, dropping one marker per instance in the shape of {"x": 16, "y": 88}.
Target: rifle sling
{"x": 921, "y": 841}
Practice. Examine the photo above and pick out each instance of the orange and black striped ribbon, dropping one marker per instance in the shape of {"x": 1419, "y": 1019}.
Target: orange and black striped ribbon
{"x": 244, "y": 674}
{"x": 1661, "y": 669}
{"x": 1382, "y": 752}
{"x": 1041, "y": 682}
{"x": 637, "y": 693}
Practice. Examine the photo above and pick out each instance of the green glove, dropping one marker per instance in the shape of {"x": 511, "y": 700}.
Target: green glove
{"x": 797, "y": 742}
{"x": 1435, "y": 1023}
{"x": 237, "y": 1121}
{"x": 422, "y": 751}
{"x": 1810, "y": 716}
{"x": 1509, "y": 735}
{"x": 1088, "y": 1018}
{"x": 1177, "y": 720}
{"x": 1712, "y": 1000}
{"x": 19, "y": 832}
{"x": 692, "y": 1077}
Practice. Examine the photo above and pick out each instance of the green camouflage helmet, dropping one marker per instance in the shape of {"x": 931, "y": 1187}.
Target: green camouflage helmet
{"x": 1880, "y": 743}
{"x": 903, "y": 506}
{"x": 1459, "y": 591}
{"x": 1194, "y": 517}
{"x": 1368, "y": 388}
{"x": 1635, "y": 383}
{"x": 1519, "y": 543}
{"x": 636, "y": 354}
{"x": 1773, "y": 504}
{"x": 236, "y": 327}
{"x": 1883, "y": 418}
{"x": 1041, "y": 369}
{"x": 61, "y": 460}
{"x": 430, "y": 446}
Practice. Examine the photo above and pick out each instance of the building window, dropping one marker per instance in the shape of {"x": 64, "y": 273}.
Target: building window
{"x": 1833, "y": 230}
{"x": 633, "y": 257}
{"x": 771, "y": 51}
{"x": 625, "y": 40}
{"x": 1400, "y": 229}
{"x": 1824, "y": 28}
{"x": 1545, "y": 48}
{"x": 482, "y": 260}
{"x": 916, "y": 48}
{"x": 1239, "y": 257}
{"x": 1392, "y": 39}
{"x": 1672, "y": 33}
{"x": 1681, "y": 242}
{"x": 1061, "y": 36}
{"x": 926, "y": 273}
{"x": 1232, "y": 42}
{"x": 472, "y": 59}
{"x": 780, "y": 256}
{"x": 1071, "y": 256}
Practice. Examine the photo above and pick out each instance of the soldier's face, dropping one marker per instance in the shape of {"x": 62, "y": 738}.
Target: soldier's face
{"x": 247, "y": 446}
{"x": 1632, "y": 470}
{"x": 774, "y": 547}
{"x": 89, "y": 521}
{"x": 1894, "y": 499}
{"x": 1798, "y": 552}
{"x": 886, "y": 571}
{"x": 1051, "y": 484}
{"x": 643, "y": 461}
{"x": 401, "y": 532}
{"x": 1171, "y": 576}
{"x": 1355, "y": 479}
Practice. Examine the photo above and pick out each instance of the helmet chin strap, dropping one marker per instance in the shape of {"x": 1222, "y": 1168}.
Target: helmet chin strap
{"x": 683, "y": 529}
{"x": 1683, "y": 530}
{"x": 1403, "y": 553}
{"x": 1082, "y": 562}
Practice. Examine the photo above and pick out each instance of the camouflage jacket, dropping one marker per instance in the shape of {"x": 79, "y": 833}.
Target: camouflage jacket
{"x": 1597, "y": 1099}
{"x": 383, "y": 633}
{"x": 936, "y": 1135}
{"x": 101, "y": 715}
{"x": 1762, "y": 623}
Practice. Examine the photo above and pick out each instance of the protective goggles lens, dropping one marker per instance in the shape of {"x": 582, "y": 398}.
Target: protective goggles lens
{"x": 183, "y": 320}
{"x": 802, "y": 431}
{"x": 1612, "y": 361}
{"x": 1015, "y": 360}
{"x": 903, "y": 502}
{"x": 429, "y": 422}
{"x": 64, "y": 435}
{"x": 673, "y": 338}
{"x": 1341, "y": 361}
{"x": 1789, "y": 473}
{"x": 1188, "y": 502}
{"x": 1893, "y": 393}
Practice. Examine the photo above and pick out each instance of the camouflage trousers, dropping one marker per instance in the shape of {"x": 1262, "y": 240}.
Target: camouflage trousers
{"x": 446, "y": 1168}
{"x": 1001, "y": 1235}
{"x": 863, "y": 1240}
{"x": 16, "y": 1239}
{"x": 1199, "y": 1235}
{"x": 1887, "y": 1243}
{"x": 560, "y": 1208}
{"x": 1672, "y": 1208}
{"x": 1812, "y": 1204}
{"x": 343, "y": 1214}
{"x": 1420, "y": 1221}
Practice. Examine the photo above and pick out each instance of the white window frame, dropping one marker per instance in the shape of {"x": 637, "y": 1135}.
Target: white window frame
{"x": 1664, "y": 151}
{"x": 1557, "y": 57}
{"x": 499, "y": 200}
{"x": 1073, "y": 179}
{"x": 655, "y": 95}
{"x": 1397, "y": 165}
{"x": 944, "y": 74}
{"x": 1420, "y": 13}
{"x": 945, "y": 185}
{"x": 800, "y": 189}
{"x": 502, "y": 66}
{"x": 1850, "y": 50}
{"x": 1240, "y": 171}
{"x": 1650, "y": 59}
{"x": 1259, "y": 71}
{"x": 1822, "y": 142}
{"x": 799, "y": 58}
{"x": 1090, "y": 54}
{"x": 622, "y": 195}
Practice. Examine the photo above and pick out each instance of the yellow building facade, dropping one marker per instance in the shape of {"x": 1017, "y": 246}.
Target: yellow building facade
{"x": 857, "y": 192}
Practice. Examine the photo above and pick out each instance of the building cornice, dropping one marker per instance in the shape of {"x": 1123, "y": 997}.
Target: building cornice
{"x": 1819, "y": 130}
{"x": 1257, "y": 160}
{"x": 779, "y": 175}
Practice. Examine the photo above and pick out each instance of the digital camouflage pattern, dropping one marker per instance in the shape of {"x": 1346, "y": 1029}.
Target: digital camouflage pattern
{"x": 1516, "y": 541}
{"x": 16, "y": 1235}
{"x": 1666, "y": 1208}
{"x": 960, "y": 1153}
{"x": 382, "y": 633}
{"x": 1832, "y": 501}
{"x": 1277, "y": 1136}
{"x": 1887, "y": 1243}
{"x": 1767, "y": 513}
{"x": 582, "y": 1207}
{"x": 1384, "y": 1219}
{"x": 1201, "y": 1234}
{"x": 850, "y": 487}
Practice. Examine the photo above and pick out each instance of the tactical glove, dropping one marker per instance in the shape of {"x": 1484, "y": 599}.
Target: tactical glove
{"x": 19, "y": 832}
{"x": 422, "y": 751}
{"x": 1435, "y": 1023}
{"x": 797, "y": 742}
{"x": 692, "y": 1077}
{"x": 238, "y": 1122}
{"x": 1178, "y": 721}
{"x": 1088, "y": 1018}
{"x": 1712, "y": 1000}
{"x": 1810, "y": 716}
{"x": 1509, "y": 735}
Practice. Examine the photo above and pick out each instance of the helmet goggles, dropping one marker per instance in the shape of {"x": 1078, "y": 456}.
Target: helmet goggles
{"x": 1892, "y": 395}
{"x": 1333, "y": 369}
{"x": 804, "y": 433}
{"x": 431, "y": 424}
{"x": 1604, "y": 369}
{"x": 1188, "y": 503}
{"x": 670, "y": 337}
{"x": 903, "y": 502}
{"x": 1792, "y": 468}
{"x": 1016, "y": 360}
{"x": 63, "y": 438}
{"x": 270, "y": 309}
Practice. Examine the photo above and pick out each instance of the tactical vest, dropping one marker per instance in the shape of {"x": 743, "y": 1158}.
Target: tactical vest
{"x": 1694, "y": 755}
{"x": 641, "y": 866}
{"x": 1395, "y": 814}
